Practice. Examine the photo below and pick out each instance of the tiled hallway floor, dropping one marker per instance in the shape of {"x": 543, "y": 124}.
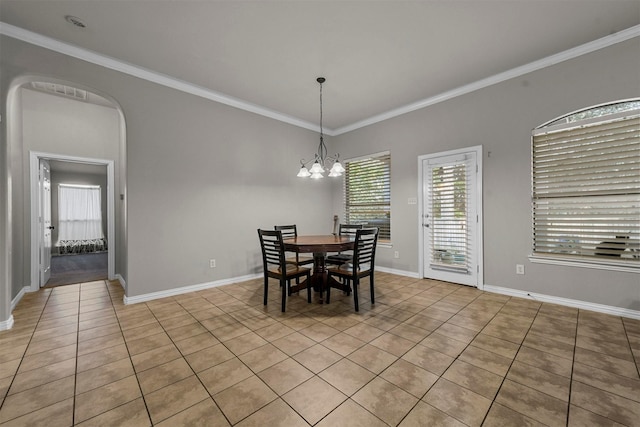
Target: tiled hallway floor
{"x": 427, "y": 354}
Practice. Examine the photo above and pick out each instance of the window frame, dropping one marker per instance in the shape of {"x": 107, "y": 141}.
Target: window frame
{"x": 381, "y": 240}
{"x": 580, "y": 259}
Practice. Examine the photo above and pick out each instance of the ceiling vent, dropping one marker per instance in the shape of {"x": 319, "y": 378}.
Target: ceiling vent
{"x": 59, "y": 89}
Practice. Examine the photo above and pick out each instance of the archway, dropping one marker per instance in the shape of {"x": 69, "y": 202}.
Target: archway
{"x": 17, "y": 251}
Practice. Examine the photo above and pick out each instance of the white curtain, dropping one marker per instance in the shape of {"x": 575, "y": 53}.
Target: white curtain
{"x": 79, "y": 212}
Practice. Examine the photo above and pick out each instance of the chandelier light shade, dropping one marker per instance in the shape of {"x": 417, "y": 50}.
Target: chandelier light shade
{"x": 321, "y": 158}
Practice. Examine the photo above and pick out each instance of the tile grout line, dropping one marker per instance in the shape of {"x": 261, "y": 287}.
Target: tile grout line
{"x": 187, "y": 362}
{"x": 414, "y": 346}
{"x": 75, "y": 376}
{"x": 633, "y": 355}
{"x": 267, "y": 385}
{"x": 320, "y": 317}
{"x": 378, "y": 375}
{"x": 511, "y": 364}
{"x": 316, "y": 375}
{"x": 6, "y": 396}
{"x": 130, "y": 361}
{"x": 573, "y": 364}
{"x": 458, "y": 356}
{"x": 418, "y": 343}
{"x": 589, "y": 385}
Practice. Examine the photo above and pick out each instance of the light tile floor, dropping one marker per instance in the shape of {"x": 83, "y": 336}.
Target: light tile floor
{"x": 427, "y": 353}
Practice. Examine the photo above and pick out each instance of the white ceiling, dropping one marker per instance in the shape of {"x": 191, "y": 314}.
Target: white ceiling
{"x": 377, "y": 56}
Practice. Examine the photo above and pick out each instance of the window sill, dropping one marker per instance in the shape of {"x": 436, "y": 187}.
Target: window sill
{"x": 385, "y": 244}
{"x": 598, "y": 265}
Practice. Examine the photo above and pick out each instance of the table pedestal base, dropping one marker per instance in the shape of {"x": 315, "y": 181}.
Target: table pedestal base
{"x": 320, "y": 280}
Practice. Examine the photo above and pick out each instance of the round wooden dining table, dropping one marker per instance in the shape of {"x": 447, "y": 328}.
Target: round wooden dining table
{"x": 319, "y": 246}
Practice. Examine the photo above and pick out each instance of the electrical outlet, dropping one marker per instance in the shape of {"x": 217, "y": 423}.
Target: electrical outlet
{"x": 212, "y": 263}
{"x": 396, "y": 254}
{"x": 519, "y": 269}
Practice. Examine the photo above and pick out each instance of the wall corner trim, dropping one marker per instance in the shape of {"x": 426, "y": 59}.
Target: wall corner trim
{"x": 582, "y": 305}
{"x": 6, "y": 324}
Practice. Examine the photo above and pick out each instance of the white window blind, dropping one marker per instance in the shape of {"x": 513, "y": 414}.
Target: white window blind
{"x": 586, "y": 186}
{"x": 448, "y": 197}
{"x": 367, "y": 193}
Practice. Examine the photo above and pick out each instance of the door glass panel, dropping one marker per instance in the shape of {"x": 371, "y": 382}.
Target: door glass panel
{"x": 449, "y": 216}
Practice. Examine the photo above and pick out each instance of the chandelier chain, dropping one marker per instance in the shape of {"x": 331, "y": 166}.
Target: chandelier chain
{"x": 322, "y": 149}
{"x": 321, "y": 132}
{"x": 321, "y": 157}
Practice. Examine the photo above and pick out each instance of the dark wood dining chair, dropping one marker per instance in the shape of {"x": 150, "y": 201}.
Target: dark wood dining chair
{"x": 289, "y": 232}
{"x": 362, "y": 265}
{"x": 276, "y": 267}
{"x": 342, "y": 257}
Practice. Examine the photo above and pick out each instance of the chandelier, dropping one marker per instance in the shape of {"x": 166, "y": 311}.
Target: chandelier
{"x": 321, "y": 158}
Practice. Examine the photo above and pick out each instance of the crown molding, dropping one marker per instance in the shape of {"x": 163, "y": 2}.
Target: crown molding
{"x": 548, "y": 61}
{"x": 181, "y": 85}
{"x": 146, "y": 74}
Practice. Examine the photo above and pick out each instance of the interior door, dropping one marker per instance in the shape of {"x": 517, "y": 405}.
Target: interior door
{"x": 450, "y": 218}
{"x": 45, "y": 221}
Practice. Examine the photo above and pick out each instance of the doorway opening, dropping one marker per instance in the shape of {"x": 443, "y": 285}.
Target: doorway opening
{"x": 78, "y": 212}
{"x": 80, "y": 260}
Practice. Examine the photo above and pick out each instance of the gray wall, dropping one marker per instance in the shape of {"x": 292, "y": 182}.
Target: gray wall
{"x": 202, "y": 177}
{"x": 58, "y": 178}
{"x": 500, "y": 118}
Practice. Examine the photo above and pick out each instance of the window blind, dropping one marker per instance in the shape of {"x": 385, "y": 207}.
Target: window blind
{"x": 586, "y": 189}
{"x": 367, "y": 193}
{"x": 450, "y": 234}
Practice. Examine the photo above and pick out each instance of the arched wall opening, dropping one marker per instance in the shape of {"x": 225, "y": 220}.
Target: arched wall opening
{"x": 18, "y": 251}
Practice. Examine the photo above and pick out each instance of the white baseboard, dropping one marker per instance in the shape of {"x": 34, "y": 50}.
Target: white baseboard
{"x": 584, "y": 305}
{"x": 6, "y": 324}
{"x": 201, "y": 286}
{"x": 16, "y": 300}
{"x": 411, "y": 274}
{"x": 120, "y": 279}
{"x": 186, "y": 289}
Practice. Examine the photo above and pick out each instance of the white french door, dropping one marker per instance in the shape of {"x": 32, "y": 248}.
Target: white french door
{"x": 451, "y": 214}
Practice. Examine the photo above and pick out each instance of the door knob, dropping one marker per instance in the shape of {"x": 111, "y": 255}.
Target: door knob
{"x": 51, "y": 227}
